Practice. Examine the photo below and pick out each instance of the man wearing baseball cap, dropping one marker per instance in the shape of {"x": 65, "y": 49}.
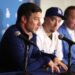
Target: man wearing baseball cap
{"x": 47, "y": 37}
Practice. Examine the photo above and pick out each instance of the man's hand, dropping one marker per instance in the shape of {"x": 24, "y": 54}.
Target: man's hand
{"x": 54, "y": 67}
{"x": 60, "y": 63}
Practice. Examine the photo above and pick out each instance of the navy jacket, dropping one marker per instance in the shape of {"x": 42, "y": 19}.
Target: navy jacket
{"x": 12, "y": 53}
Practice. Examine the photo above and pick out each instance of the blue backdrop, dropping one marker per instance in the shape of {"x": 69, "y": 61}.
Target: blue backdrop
{"x": 8, "y": 9}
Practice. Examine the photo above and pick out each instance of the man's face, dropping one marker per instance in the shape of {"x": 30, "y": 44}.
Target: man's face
{"x": 34, "y": 22}
{"x": 53, "y": 23}
{"x": 71, "y": 20}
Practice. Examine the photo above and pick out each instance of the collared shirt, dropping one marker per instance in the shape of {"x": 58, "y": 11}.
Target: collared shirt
{"x": 51, "y": 46}
{"x": 72, "y": 33}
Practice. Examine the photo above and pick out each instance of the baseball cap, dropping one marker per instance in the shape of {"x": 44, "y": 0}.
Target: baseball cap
{"x": 55, "y": 11}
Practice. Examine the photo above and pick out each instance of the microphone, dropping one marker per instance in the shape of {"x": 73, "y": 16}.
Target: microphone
{"x": 18, "y": 34}
{"x": 39, "y": 53}
{"x": 62, "y": 37}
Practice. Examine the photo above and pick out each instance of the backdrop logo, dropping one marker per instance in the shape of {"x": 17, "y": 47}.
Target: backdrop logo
{"x": 8, "y": 13}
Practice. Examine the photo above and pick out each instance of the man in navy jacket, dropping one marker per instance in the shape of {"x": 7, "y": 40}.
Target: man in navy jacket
{"x": 13, "y": 56}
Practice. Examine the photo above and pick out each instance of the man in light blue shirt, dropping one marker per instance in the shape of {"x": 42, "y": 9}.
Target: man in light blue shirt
{"x": 68, "y": 30}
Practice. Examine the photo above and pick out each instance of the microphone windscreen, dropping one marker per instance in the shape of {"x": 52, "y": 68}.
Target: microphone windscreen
{"x": 17, "y": 33}
{"x": 60, "y": 37}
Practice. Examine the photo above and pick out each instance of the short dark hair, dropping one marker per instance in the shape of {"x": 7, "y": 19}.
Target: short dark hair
{"x": 67, "y": 11}
{"x": 27, "y": 9}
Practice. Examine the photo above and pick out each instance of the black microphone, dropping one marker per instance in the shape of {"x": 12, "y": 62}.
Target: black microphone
{"x": 18, "y": 34}
{"x": 62, "y": 37}
{"x": 26, "y": 52}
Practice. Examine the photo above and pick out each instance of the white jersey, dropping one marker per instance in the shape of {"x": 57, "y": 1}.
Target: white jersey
{"x": 47, "y": 45}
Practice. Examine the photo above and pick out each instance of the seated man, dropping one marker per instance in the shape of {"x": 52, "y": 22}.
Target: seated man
{"x": 68, "y": 30}
{"x": 17, "y": 52}
{"x": 47, "y": 35}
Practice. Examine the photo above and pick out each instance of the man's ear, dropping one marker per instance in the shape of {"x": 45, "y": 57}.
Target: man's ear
{"x": 23, "y": 19}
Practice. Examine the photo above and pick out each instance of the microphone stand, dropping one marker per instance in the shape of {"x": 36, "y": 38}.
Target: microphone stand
{"x": 69, "y": 61}
{"x": 25, "y": 72}
{"x": 26, "y": 55}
